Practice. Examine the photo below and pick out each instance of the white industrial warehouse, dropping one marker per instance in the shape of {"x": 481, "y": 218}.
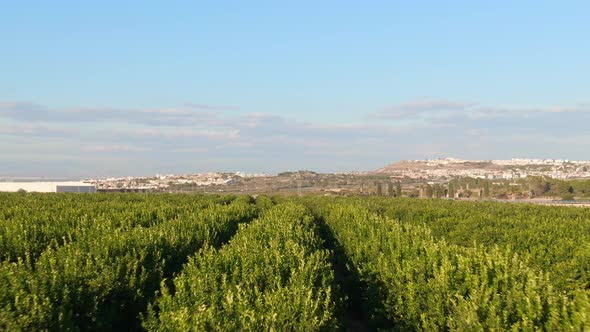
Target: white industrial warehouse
{"x": 48, "y": 187}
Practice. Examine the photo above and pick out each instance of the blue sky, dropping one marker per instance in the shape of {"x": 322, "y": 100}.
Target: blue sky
{"x": 144, "y": 87}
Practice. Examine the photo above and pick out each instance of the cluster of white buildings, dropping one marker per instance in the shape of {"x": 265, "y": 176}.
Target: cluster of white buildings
{"x": 163, "y": 182}
{"x": 506, "y": 162}
{"x": 492, "y": 169}
{"x": 154, "y": 183}
{"x": 525, "y": 162}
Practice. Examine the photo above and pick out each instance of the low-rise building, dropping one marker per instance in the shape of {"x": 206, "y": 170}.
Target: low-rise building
{"x": 48, "y": 187}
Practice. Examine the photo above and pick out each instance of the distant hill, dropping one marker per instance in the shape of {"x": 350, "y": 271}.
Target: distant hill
{"x": 446, "y": 163}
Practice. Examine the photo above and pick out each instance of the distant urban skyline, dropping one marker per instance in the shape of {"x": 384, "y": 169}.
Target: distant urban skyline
{"x": 136, "y": 88}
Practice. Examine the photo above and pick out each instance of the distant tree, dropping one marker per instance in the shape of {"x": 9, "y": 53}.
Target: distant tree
{"x": 398, "y": 189}
{"x": 390, "y": 190}
{"x": 413, "y": 193}
{"x": 486, "y": 189}
{"x": 546, "y": 187}
{"x": 439, "y": 191}
{"x": 22, "y": 191}
{"x": 538, "y": 186}
{"x": 452, "y": 189}
{"x": 567, "y": 196}
{"x": 508, "y": 186}
{"x": 581, "y": 187}
{"x": 565, "y": 191}
{"x": 379, "y": 189}
{"x": 429, "y": 191}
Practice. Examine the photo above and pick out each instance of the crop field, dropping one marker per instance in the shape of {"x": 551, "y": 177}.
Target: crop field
{"x": 179, "y": 262}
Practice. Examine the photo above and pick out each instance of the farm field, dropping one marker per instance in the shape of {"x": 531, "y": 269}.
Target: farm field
{"x": 178, "y": 262}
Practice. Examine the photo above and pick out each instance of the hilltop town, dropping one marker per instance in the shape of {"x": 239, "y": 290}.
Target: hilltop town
{"x": 449, "y": 168}
{"x": 171, "y": 181}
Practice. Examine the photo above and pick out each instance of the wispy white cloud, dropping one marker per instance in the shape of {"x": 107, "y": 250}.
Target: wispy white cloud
{"x": 191, "y": 150}
{"x": 185, "y": 139}
{"x": 38, "y": 130}
{"x": 175, "y": 133}
{"x": 417, "y": 108}
{"x": 111, "y": 148}
{"x": 25, "y": 111}
{"x": 209, "y": 107}
{"x": 436, "y": 109}
{"x": 487, "y": 112}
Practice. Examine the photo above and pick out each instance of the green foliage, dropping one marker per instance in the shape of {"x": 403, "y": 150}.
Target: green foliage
{"x": 30, "y": 223}
{"x": 567, "y": 196}
{"x": 415, "y": 282}
{"x": 103, "y": 277}
{"x": 263, "y": 203}
{"x": 533, "y": 186}
{"x": 95, "y": 262}
{"x": 429, "y": 191}
{"x": 486, "y": 189}
{"x": 273, "y": 275}
{"x": 550, "y": 237}
{"x": 452, "y": 188}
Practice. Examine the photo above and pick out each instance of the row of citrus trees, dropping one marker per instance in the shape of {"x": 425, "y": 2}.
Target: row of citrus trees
{"x": 30, "y": 223}
{"x": 554, "y": 239}
{"x": 551, "y": 239}
{"x": 110, "y": 259}
{"x": 273, "y": 275}
{"x": 410, "y": 280}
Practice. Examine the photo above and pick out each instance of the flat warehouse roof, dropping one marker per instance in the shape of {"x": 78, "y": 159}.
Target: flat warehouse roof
{"x": 41, "y": 186}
